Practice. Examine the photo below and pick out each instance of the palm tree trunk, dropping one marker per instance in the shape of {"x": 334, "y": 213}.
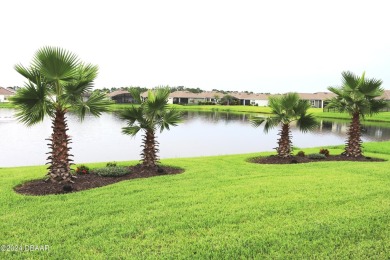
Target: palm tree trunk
{"x": 59, "y": 169}
{"x": 149, "y": 155}
{"x": 353, "y": 147}
{"x": 284, "y": 149}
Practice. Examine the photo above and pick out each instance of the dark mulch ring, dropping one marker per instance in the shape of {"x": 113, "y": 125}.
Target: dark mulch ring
{"x": 90, "y": 181}
{"x": 273, "y": 159}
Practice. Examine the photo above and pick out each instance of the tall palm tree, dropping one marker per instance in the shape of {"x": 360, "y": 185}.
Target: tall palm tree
{"x": 286, "y": 109}
{"x": 152, "y": 115}
{"x": 57, "y": 82}
{"x": 358, "y": 97}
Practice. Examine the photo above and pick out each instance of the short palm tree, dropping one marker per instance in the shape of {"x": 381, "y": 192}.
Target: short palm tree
{"x": 152, "y": 115}
{"x": 57, "y": 83}
{"x": 286, "y": 109}
{"x": 358, "y": 97}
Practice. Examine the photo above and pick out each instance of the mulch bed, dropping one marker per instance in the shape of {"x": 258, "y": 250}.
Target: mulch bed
{"x": 273, "y": 159}
{"x": 90, "y": 181}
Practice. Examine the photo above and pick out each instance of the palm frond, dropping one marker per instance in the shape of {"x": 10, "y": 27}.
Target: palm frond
{"x": 133, "y": 115}
{"x": 350, "y": 80}
{"x": 171, "y": 117}
{"x": 31, "y": 74}
{"x": 271, "y": 123}
{"x": 56, "y": 64}
{"x": 372, "y": 88}
{"x": 32, "y": 103}
{"x": 376, "y": 106}
{"x": 81, "y": 84}
{"x": 289, "y": 102}
{"x": 95, "y": 105}
{"x": 257, "y": 121}
{"x": 301, "y": 107}
{"x": 157, "y": 100}
{"x": 131, "y": 130}
{"x": 136, "y": 94}
{"x": 274, "y": 104}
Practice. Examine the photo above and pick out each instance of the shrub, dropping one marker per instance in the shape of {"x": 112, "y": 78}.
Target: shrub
{"x": 111, "y": 164}
{"x": 112, "y": 171}
{"x": 82, "y": 169}
{"x": 324, "y": 152}
{"x": 316, "y": 156}
{"x": 301, "y": 154}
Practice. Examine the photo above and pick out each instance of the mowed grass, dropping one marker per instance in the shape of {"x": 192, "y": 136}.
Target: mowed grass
{"x": 221, "y": 207}
{"x": 318, "y": 112}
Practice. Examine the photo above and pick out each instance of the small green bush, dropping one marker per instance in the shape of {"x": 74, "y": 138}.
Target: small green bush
{"x": 301, "y": 154}
{"x": 316, "y": 156}
{"x": 324, "y": 152}
{"x": 112, "y": 171}
{"x": 82, "y": 169}
{"x": 111, "y": 164}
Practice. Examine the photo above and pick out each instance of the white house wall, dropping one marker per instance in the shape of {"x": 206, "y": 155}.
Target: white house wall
{"x": 260, "y": 103}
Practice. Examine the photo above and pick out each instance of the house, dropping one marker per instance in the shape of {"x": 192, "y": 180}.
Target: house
{"x": 5, "y": 94}
{"x": 251, "y": 99}
{"x": 186, "y": 97}
{"x": 317, "y": 99}
{"x": 121, "y": 96}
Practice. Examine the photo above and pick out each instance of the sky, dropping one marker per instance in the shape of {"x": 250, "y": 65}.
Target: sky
{"x": 261, "y": 46}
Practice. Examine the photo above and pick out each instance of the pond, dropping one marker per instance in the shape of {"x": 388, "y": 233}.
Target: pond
{"x": 201, "y": 134}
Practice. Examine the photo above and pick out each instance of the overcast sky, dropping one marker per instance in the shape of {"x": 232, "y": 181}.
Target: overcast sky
{"x": 260, "y": 46}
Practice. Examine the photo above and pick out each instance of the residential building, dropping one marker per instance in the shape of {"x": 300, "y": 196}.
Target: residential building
{"x": 5, "y": 94}
{"x": 317, "y": 99}
{"x": 121, "y": 96}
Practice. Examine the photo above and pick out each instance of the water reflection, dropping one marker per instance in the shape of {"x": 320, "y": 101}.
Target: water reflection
{"x": 201, "y": 134}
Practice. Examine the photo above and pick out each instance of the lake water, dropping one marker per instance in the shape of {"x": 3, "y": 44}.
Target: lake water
{"x": 201, "y": 134}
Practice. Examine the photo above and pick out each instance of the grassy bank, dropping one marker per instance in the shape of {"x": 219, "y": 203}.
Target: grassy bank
{"x": 222, "y": 207}
{"x": 318, "y": 112}
{"x": 6, "y": 105}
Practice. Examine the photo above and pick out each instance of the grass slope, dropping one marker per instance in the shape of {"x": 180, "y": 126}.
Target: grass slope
{"x": 6, "y": 105}
{"x": 318, "y": 112}
{"x": 222, "y": 207}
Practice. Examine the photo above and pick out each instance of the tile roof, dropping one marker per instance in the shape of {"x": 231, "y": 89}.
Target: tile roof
{"x": 118, "y": 92}
{"x": 6, "y": 92}
{"x": 386, "y": 95}
{"x": 317, "y": 95}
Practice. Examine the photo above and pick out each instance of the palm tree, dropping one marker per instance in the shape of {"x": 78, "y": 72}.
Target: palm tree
{"x": 57, "y": 82}
{"x": 153, "y": 114}
{"x": 358, "y": 97}
{"x": 286, "y": 109}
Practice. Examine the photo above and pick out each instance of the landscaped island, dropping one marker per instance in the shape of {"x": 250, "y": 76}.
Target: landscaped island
{"x": 220, "y": 207}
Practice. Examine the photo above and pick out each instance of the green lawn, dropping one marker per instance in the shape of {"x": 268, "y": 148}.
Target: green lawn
{"x": 222, "y": 207}
{"x": 6, "y": 105}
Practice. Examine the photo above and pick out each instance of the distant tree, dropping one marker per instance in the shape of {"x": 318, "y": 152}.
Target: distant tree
{"x": 154, "y": 114}
{"x": 139, "y": 89}
{"x": 194, "y": 90}
{"x": 229, "y": 100}
{"x": 57, "y": 83}
{"x": 358, "y": 97}
{"x": 286, "y": 109}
